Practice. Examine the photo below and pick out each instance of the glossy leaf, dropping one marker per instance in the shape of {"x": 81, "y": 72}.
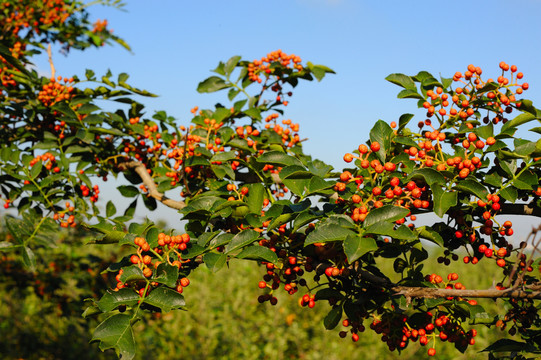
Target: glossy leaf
{"x": 257, "y": 252}
{"x": 116, "y": 333}
{"x": 356, "y": 246}
{"x": 113, "y": 299}
{"x": 386, "y": 213}
{"x": 166, "y": 299}
{"x": 240, "y": 240}
{"x": 212, "y": 84}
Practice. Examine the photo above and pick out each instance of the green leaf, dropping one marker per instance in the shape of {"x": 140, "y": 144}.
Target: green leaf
{"x": 259, "y": 253}
{"x": 112, "y": 299}
{"x": 386, "y": 228}
{"x": 278, "y": 157}
{"x": 128, "y": 190}
{"x": 518, "y": 120}
{"x": 231, "y": 64}
{"x": 166, "y": 274}
{"x": 245, "y": 237}
{"x": 110, "y": 209}
{"x": 409, "y": 94}
{"x": 526, "y": 181}
{"x": 509, "y": 167}
{"x": 36, "y": 169}
{"x": 255, "y": 198}
{"x": 29, "y": 259}
{"x": 214, "y": 261}
{"x": 303, "y": 219}
{"x": 318, "y": 184}
{"x": 212, "y": 84}
{"x": 443, "y": 200}
{"x": 403, "y": 121}
{"x": 509, "y": 193}
{"x": 401, "y": 80}
{"x": 116, "y": 332}
{"x": 382, "y": 133}
{"x": 326, "y": 232}
{"x": 164, "y": 298}
{"x": 485, "y": 131}
{"x": 254, "y": 113}
{"x": 472, "y": 187}
{"x": 220, "y": 240}
{"x": 386, "y": 213}
{"x": 131, "y": 273}
{"x": 494, "y": 179}
{"x": 399, "y": 265}
{"x": 431, "y": 235}
{"x": 430, "y": 176}
{"x": 356, "y": 246}
{"x": 224, "y": 156}
{"x": 333, "y": 318}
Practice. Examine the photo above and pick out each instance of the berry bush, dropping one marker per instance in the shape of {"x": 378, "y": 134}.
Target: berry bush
{"x": 238, "y": 176}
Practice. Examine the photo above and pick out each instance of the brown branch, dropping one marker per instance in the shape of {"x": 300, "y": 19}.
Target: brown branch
{"x": 520, "y": 209}
{"x": 50, "y": 54}
{"x": 422, "y": 292}
{"x": 141, "y": 170}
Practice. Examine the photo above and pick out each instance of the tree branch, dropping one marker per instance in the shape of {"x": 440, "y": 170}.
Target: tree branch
{"x": 141, "y": 170}
{"x": 424, "y": 292}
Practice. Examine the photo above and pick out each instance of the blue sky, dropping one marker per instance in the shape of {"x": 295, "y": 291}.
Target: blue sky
{"x": 176, "y": 43}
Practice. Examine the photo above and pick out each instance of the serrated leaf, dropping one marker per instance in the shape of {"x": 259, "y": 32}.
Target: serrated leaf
{"x": 327, "y": 232}
{"x": 245, "y": 237}
{"x": 509, "y": 193}
{"x": 224, "y": 156}
{"x": 431, "y": 235}
{"x": 409, "y": 94}
{"x": 386, "y": 228}
{"x": 116, "y": 332}
{"x": 429, "y": 175}
{"x": 131, "y": 273}
{"x": 443, "y": 200}
{"x": 518, "y": 120}
{"x": 401, "y": 80}
{"x": 278, "y": 157}
{"x": 112, "y": 299}
{"x": 259, "y": 253}
{"x": 386, "y": 213}
{"x": 29, "y": 259}
{"x": 526, "y": 181}
{"x": 303, "y": 219}
{"x": 212, "y": 84}
{"x": 166, "y": 299}
{"x": 166, "y": 274}
{"x": 472, "y": 187}
{"x": 356, "y": 246}
{"x": 214, "y": 261}
{"x": 280, "y": 220}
